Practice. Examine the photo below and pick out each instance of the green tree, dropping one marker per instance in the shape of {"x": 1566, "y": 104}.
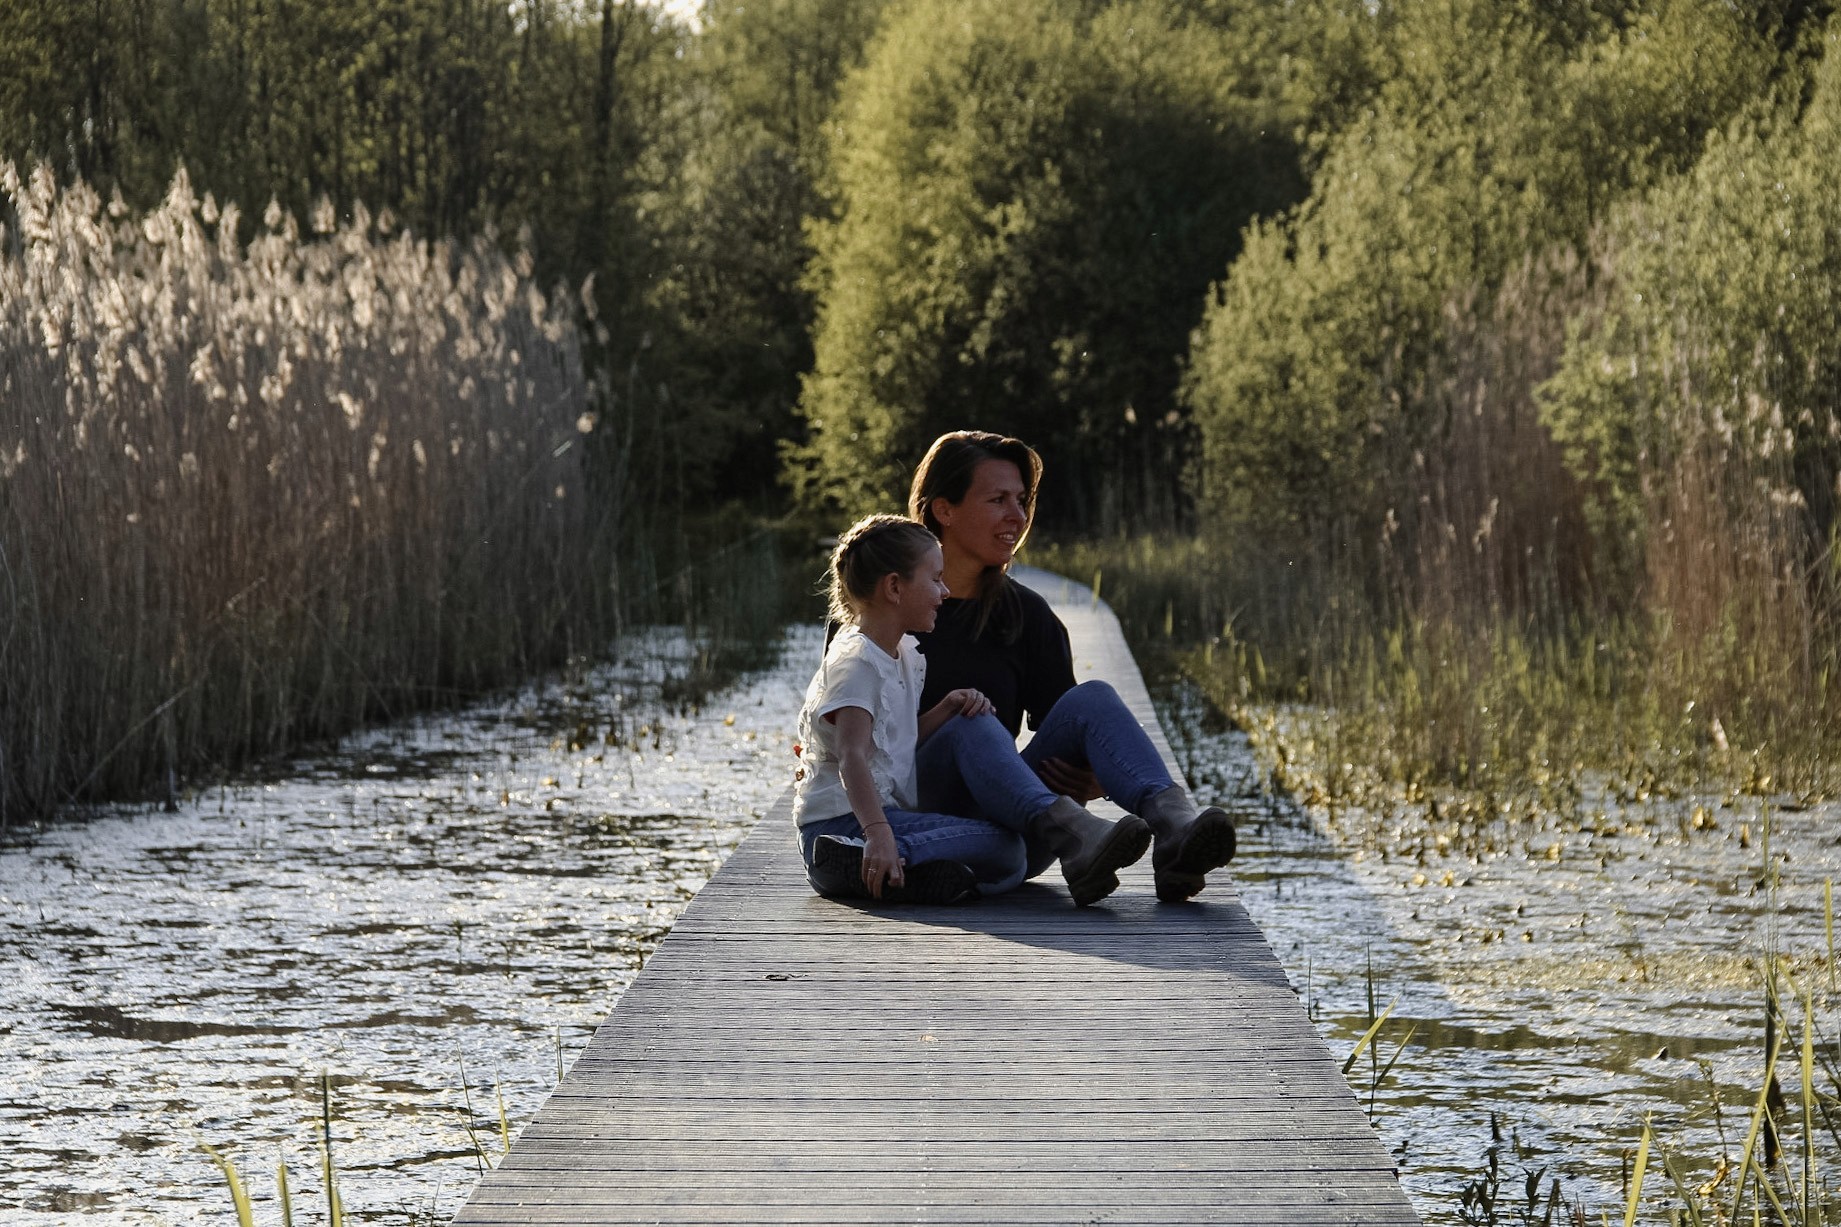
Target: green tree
{"x": 739, "y": 167}
{"x": 1716, "y": 345}
{"x": 1319, "y": 62}
{"x": 454, "y": 115}
{"x": 778, "y": 64}
{"x": 1030, "y": 201}
{"x": 1500, "y": 133}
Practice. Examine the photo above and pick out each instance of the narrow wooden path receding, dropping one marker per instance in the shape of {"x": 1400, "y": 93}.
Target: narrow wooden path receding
{"x": 787, "y": 1059}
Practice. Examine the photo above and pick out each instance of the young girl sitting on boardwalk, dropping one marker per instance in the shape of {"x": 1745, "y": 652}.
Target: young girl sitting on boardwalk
{"x": 855, "y": 798}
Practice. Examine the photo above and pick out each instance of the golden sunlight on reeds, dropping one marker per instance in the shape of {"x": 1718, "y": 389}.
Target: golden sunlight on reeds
{"x": 255, "y": 491}
{"x": 1504, "y": 624}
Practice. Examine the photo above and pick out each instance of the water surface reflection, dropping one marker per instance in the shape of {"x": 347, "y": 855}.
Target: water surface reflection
{"x": 1567, "y": 979}
{"x": 441, "y": 912}
{"x": 434, "y": 914}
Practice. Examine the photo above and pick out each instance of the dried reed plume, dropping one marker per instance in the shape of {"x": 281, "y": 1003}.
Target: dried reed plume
{"x": 252, "y": 494}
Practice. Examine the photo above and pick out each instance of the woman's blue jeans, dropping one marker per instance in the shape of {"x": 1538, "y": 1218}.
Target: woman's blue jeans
{"x": 978, "y": 793}
{"x": 967, "y": 766}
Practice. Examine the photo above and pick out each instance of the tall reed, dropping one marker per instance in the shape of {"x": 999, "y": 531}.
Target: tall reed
{"x": 253, "y": 492}
{"x": 1495, "y": 628}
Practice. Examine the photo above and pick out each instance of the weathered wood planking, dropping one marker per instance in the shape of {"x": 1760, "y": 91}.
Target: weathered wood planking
{"x": 786, "y": 1059}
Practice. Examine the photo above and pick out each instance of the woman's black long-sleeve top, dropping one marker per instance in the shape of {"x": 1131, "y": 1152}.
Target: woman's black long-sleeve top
{"x": 1025, "y": 676}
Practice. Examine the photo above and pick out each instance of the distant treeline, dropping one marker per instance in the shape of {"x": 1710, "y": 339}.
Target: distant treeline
{"x": 1520, "y": 307}
{"x": 674, "y": 169}
{"x": 1214, "y": 255}
{"x": 817, "y": 229}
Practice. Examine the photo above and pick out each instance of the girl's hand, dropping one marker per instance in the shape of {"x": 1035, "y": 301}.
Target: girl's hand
{"x": 881, "y": 859}
{"x": 971, "y": 702}
{"x": 966, "y": 702}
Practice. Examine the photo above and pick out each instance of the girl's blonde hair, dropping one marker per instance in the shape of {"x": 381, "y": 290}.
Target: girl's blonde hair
{"x": 869, "y": 549}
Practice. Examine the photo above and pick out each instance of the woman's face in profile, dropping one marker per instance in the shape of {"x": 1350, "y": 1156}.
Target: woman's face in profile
{"x": 988, "y": 523}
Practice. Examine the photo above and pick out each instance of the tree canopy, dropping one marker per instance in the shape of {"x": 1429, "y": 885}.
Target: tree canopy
{"x": 1221, "y": 261}
{"x": 1030, "y": 199}
{"x": 1501, "y": 132}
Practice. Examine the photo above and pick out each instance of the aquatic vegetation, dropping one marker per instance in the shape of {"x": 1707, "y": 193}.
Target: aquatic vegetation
{"x": 329, "y": 1175}
{"x": 468, "y": 1119}
{"x": 1474, "y": 716}
{"x": 284, "y": 1194}
{"x": 257, "y": 492}
{"x": 1570, "y": 974}
{"x": 1482, "y": 1202}
{"x": 1369, "y": 1043}
{"x": 303, "y": 916}
{"x": 239, "y": 1196}
{"x": 1763, "y": 1180}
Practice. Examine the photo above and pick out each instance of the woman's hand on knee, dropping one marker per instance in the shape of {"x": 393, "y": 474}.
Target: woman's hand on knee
{"x": 1069, "y": 779}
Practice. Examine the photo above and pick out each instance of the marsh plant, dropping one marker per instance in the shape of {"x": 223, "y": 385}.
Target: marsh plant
{"x": 1773, "y": 1168}
{"x": 1512, "y": 618}
{"x": 256, "y": 490}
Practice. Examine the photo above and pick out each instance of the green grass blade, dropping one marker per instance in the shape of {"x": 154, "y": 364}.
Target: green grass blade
{"x": 1764, "y": 1182}
{"x": 1636, "y": 1177}
{"x": 1683, "y": 1186}
{"x": 283, "y": 1192}
{"x": 335, "y": 1205}
{"x": 239, "y": 1197}
{"x": 1368, "y": 1036}
{"x": 498, "y": 1089}
{"x": 1395, "y": 1059}
{"x": 466, "y": 1094}
{"x": 1746, "y": 1162}
{"x": 1828, "y": 919}
{"x": 1811, "y": 1213}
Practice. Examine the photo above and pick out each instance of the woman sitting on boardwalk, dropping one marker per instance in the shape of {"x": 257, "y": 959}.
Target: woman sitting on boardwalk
{"x": 860, "y": 827}
{"x": 976, "y": 491}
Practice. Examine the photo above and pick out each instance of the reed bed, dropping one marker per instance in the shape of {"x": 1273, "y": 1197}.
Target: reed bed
{"x": 1503, "y": 625}
{"x": 1507, "y": 647}
{"x": 256, "y": 490}
{"x": 1352, "y": 705}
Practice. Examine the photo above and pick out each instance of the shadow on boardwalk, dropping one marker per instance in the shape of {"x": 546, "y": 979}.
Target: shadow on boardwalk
{"x": 1131, "y": 927}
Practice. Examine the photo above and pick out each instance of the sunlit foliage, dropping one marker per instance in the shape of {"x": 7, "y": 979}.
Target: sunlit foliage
{"x": 1497, "y": 135}
{"x": 1031, "y": 199}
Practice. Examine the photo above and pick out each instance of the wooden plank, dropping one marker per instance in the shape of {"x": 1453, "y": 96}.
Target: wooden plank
{"x": 787, "y": 1059}
{"x": 845, "y": 1207}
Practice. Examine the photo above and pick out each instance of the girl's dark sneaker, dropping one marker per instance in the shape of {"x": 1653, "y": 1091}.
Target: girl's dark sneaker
{"x": 837, "y": 873}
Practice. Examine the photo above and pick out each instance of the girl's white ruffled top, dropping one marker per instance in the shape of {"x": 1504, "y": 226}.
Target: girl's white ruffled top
{"x": 857, "y": 673}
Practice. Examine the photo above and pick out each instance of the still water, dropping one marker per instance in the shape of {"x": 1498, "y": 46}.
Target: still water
{"x": 435, "y": 916}
{"x": 1554, "y": 983}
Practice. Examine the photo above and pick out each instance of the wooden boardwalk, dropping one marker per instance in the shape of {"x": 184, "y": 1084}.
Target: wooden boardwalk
{"x": 788, "y": 1059}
